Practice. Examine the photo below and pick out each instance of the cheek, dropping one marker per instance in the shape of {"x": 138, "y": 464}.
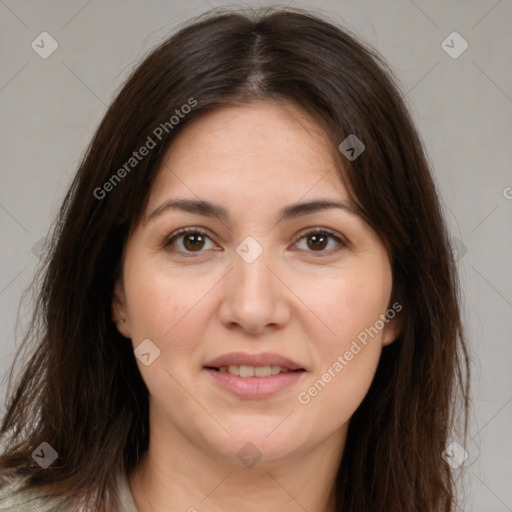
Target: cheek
{"x": 162, "y": 300}
{"x": 348, "y": 304}
{"x": 167, "y": 310}
{"x": 172, "y": 310}
{"x": 349, "y": 349}
{"x": 347, "y": 363}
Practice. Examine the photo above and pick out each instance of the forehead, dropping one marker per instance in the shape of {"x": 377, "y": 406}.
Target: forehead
{"x": 251, "y": 149}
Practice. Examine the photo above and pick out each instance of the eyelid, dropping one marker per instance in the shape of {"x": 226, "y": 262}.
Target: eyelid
{"x": 327, "y": 231}
{"x": 340, "y": 239}
{"x": 302, "y": 234}
{"x": 183, "y": 231}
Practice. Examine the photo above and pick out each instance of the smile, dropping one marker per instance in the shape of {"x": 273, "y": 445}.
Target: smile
{"x": 254, "y": 376}
{"x": 252, "y": 371}
{"x": 251, "y": 387}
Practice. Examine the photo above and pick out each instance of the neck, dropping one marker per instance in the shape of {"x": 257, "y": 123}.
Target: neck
{"x": 175, "y": 474}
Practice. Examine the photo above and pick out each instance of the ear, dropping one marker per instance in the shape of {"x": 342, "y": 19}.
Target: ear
{"x": 393, "y": 325}
{"x": 119, "y": 310}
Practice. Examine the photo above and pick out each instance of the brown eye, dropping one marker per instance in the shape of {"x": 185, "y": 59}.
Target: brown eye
{"x": 193, "y": 241}
{"x": 189, "y": 241}
{"x": 319, "y": 240}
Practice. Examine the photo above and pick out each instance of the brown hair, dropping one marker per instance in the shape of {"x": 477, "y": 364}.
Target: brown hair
{"x": 80, "y": 390}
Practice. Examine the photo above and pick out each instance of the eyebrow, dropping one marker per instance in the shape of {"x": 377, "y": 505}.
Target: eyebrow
{"x": 207, "y": 209}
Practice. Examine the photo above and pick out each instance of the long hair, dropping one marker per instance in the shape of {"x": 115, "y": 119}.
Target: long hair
{"x": 79, "y": 388}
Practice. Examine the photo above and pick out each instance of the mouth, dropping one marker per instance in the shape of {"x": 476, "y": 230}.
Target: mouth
{"x": 246, "y": 371}
{"x": 254, "y": 376}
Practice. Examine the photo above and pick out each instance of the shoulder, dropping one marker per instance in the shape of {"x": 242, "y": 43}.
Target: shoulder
{"x": 14, "y": 496}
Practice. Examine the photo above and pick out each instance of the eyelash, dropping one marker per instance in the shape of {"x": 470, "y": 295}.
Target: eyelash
{"x": 342, "y": 244}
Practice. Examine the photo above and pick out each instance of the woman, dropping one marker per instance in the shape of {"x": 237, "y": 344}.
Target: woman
{"x": 250, "y": 299}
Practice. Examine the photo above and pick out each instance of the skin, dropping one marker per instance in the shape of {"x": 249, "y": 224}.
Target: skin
{"x": 296, "y": 299}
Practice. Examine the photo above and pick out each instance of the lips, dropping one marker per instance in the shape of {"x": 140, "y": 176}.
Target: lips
{"x": 255, "y": 360}
{"x": 254, "y": 376}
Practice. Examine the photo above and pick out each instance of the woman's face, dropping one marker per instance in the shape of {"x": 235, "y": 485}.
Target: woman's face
{"x": 250, "y": 289}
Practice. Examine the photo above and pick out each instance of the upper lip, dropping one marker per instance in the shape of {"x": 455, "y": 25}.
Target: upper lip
{"x": 262, "y": 359}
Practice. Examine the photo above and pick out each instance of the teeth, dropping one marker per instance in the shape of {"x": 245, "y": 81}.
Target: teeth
{"x": 252, "y": 371}
{"x": 234, "y": 369}
{"x": 245, "y": 371}
{"x": 262, "y": 371}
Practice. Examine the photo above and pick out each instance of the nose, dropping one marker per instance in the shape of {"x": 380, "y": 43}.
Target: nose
{"x": 254, "y": 299}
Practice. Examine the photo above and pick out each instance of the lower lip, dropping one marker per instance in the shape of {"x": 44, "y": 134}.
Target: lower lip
{"x": 254, "y": 388}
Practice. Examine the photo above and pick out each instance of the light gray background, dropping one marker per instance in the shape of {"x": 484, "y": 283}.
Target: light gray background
{"x": 463, "y": 107}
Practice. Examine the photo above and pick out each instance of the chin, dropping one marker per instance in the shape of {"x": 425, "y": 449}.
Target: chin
{"x": 261, "y": 446}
